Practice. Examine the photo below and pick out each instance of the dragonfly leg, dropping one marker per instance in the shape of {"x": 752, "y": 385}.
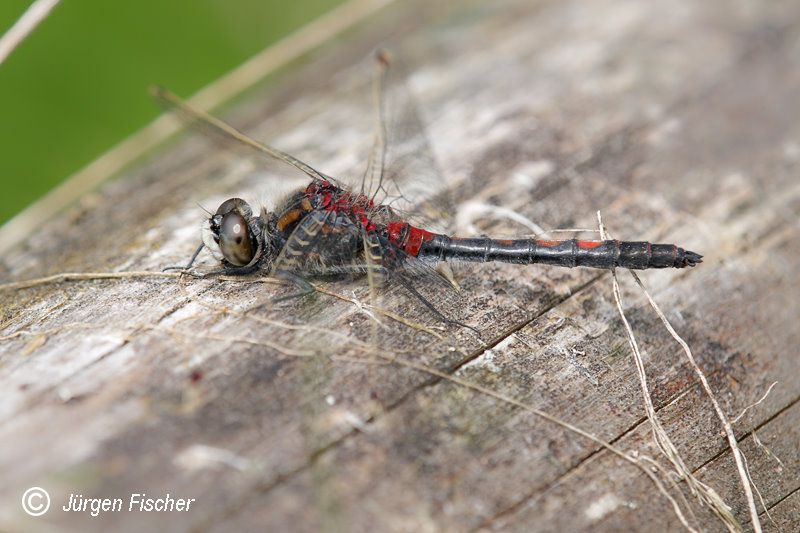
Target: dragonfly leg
{"x": 298, "y": 281}
{"x": 191, "y": 261}
{"x": 432, "y": 308}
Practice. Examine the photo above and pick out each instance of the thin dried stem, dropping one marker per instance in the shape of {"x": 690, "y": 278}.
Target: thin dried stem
{"x": 226, "y": 338}
{"x": 550, "y": 418}
{"x": 83, "y": 276}
{"x": 89, "y": 276}
{"x": 394, "y": 316}
{"x": 246, "y": 75}
{"x": 766, "y": 449}
{"x": 706, "y": 494}
{"x": 764, "y": 397}
{"x": 758, "y": 493}
{"x": 51, "y": 331}
{"x": 22, "y": 28}
{"x": 396, "y": 358}
{"x": 732, "y": 443}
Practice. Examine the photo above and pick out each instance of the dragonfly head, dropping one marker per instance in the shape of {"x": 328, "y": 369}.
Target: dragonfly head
{"x": 233, "y": 234}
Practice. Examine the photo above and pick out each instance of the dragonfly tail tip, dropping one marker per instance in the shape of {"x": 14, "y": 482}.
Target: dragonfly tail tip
{"x": 691, "y": 259}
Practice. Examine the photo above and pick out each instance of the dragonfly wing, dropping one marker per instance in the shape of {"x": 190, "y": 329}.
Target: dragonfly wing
{"x": 371, "y": 181}
{"x": 324, "y": 243}
{"x": 402, "y": 170}
{"x": 219, "y": 129}
{"x": 397, "y": 264}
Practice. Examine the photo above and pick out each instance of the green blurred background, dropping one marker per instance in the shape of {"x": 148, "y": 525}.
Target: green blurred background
{"x": 78, "y": 84}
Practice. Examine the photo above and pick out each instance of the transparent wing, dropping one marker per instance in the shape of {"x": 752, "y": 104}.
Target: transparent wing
{"x": 219, "y": 129}
{"x": 402, "y": 171}
{"x": 325, "y": 243}
{"x": 322, "y": 244}
{"x": 371, "y": 181}
{"x": 408, "y": 269}
{"x": 424, "y": 284}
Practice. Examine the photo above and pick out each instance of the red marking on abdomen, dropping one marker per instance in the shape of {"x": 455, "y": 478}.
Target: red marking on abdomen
{"x": 407, "y": 237}
{"x": 416, "y": 236}
{"x": 588, "y": 245}
{"x": 548, "y": 244}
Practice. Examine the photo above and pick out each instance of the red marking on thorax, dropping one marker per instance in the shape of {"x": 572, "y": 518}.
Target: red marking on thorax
{"x": 336, "y": 200}
{"x": 395, "y": 232}
{"x": 588, "y": 245}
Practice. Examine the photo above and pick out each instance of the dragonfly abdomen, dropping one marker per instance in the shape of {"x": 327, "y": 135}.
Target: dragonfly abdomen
{"x": 567, "y": 253}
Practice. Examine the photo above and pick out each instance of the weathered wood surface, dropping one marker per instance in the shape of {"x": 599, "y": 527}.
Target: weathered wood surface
{"x": 679, "y": 120}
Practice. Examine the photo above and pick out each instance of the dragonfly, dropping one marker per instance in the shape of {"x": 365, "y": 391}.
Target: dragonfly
{"x": 330, "y": 229}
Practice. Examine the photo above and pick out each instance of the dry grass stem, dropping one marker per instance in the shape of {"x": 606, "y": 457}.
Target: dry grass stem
{"x": 706, "y": 494}
{"x": 83, "y": 276}
{"x": 732, "y": 443}
{"x": 764, "y": 397}
{"x": 22, "y": 28}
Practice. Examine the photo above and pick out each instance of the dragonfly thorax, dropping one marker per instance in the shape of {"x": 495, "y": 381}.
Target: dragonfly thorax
{"x": 243, "y": 242}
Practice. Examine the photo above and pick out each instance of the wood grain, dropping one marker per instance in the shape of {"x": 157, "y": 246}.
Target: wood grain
{"x": 678, "y": 120}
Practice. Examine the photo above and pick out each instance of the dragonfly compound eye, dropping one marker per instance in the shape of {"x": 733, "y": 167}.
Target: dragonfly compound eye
{"x": 234, "y": 204}
{"x": 235, "y": 241}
